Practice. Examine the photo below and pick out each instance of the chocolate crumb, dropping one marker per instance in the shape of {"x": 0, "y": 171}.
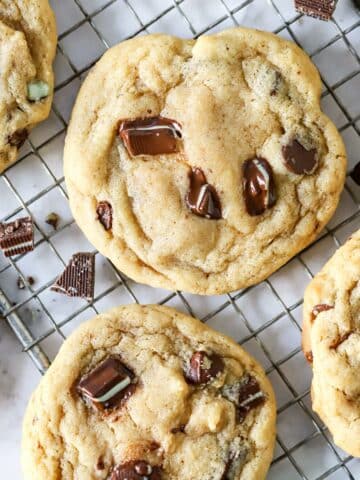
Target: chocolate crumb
{"x": 53, "y": 220}
{"x": 21, "y": 284}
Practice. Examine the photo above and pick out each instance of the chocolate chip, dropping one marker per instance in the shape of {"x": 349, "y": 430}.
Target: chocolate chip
{"x": 17, "y": 237}
{"x": 322, "y": 307}
{"x": 204, "y": 367}
{"x": 53, "y": 220}
{"x": 322, "y": 9}
{"x": 298, "y": 159}
{"x": 309, "y": 357}
{"x": 246, "y": 395}
{"x": 150, "y": 136}
{"x": 202, "y": 198}
{"x": 77, "y": 280}
{"x": 17, "y": 139}
{"x": 109, "y": 385}
{"x": 100, "y": 465}
{"x": 104, "y": 214}
{"x": 136, "y": 470}
{"x": 179, "y": 429}
{"x": 258, "y": 186}
{"x": 355, "y": 173}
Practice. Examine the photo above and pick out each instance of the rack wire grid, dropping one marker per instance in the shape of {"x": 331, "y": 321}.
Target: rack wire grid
{"x": 266, "y": 318}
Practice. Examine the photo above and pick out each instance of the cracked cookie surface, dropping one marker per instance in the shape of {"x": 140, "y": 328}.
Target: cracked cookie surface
{"x": 194, "y": 405}
{"x": 213, "y": 156}
{"x": 27, "y": 49}
{"x": 331, "y": 341}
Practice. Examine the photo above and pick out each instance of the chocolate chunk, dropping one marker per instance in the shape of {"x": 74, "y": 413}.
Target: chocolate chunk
{"x": 299, "y": 160}
{"x": 109, "y": 385}
{"x": 17, "y": 139}
{"x": 150, "y": 136}
{"x": 246, "y": 395}
{"x": 77, "y": 280}
{"x": 336, "y": 343}
{"x": 309, "y": 357}
{"x": 322, "y": 307}
{"x": 258, "y": 186}
{"x": 21, "y": 284}
{"x": 355, "y": 173}
{"x": 322, "y": 9}
{"x": 136, "y": 470}
{"x": 278, "y": 84}
{"x": 104, "y": 214}
{"x": 235, "y": 464}
{"x": 202, "y": 198}
{"x": 53, "y": 220}
{"x": 204, "y": 367}
{"x": 17, "y": 237}
{"x": 179, "y": 429}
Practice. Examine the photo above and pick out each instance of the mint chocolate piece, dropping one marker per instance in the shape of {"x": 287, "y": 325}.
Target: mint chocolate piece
{"x": 104, "y": 214}
{"x": 258, "y": 186}
{"x": 204, "y": 367}
{"x": 17, "y": 237}
{"x": 78, "y": 278}
{"x": 321, "y": 9}
{"x": 109, "y": 385}
{"x": 298, "y": 159}
{"x": 150, "y": 136}
{"x": 202, "y": 198}
{"x": 136, "y": 470}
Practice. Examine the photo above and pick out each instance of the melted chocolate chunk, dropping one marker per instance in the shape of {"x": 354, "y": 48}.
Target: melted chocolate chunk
{"x": 17, "y": 237}
{"x": 204, "y": 367}
{"x": 17, "y": 139}
{"x": 246, "y": 395}
{"x": 109, "y": 385}
{"x": 309, "y": 357}
{"x": 258, "y": 186}
{"x": 355, "y": 174}
{"x": 78, "y": 278}
{"x": 299, "y": 160}
{"x": 150, "y": 136}
{"x": 322, "y": 9}
{"x": 104, "y": 214}
{"x": 322, "y": 307}
{"x": 136, "y": 470}
{"x": 202, "y": 198}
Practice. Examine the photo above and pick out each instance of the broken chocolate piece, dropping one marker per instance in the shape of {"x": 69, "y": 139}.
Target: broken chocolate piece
{"x": 78, "y": 278}
{"x": 355, "y": 173}
{"x": 204, "y": 367}
{"x": 52, "y": 219}
{"x": 202, "y": 198}
{"x": 321, "y": 9}
{"x": 104, "y": 214}
{"x": 258, "y": 186}
{"x": 235, "y": 463}
{"x": 17, "y": 139}
{"x": 299, "y": 160}
{"x": 322, "y": 307}
{"x": 150, "y": 136}
{"x": 17, "y": 237}
{"x": 136, "y": 470}
{"x": 246, "y": 395}
{"x": 109, "y": 385}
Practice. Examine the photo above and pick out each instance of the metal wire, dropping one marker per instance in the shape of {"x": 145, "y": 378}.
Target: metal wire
{"x": 33, "y": 344}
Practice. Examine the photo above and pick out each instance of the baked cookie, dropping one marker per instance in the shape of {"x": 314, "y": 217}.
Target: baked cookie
{"x": 147, "y": 393}
{"x": 331, "y": 341}
{"x": 27, "y": 49}
{"x": 202, "y": 165}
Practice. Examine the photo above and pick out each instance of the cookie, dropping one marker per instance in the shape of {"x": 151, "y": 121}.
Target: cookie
{"x": 27, "y": 49}
{"x": 331, "y": 341}
{"x": 146, "y": 392}
{"x": 202, "y": 165}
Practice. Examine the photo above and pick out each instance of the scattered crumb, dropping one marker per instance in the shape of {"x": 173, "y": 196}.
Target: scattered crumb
{"x": 53, "y": 220}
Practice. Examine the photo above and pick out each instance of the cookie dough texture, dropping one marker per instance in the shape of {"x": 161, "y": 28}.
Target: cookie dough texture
{"x": 27, "y": 49}
{"x": 333, "y": 337}
{"x": 237, "y": 94}
{"x": 65, "y": 439}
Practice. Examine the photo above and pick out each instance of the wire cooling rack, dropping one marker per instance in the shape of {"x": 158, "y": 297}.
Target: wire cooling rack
{"x": 265, "y": 319}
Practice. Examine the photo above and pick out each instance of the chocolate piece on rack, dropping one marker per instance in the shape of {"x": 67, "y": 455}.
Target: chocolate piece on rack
{"x": 109, "y": 385}
{"x": 355, "y": 173}
{"x": 298, "y": 159}
{"x": 321, "y": 9}
{"x": 150, "y": 136}
{"x": 322, "y": 307}
{"x": 104, "y": 214}
{"x": 17, "y": 237}
{"x": 17, "y": 139}
{"x": 204, "y": 367}
{"x": 78, "y": 278}
{"x": 202, "y": 198}
{"x": 258, "y": 186}
{"x": 136, "y": 470}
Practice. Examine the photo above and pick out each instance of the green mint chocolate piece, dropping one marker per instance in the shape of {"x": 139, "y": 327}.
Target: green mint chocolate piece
{"x": 37, "y": 89}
